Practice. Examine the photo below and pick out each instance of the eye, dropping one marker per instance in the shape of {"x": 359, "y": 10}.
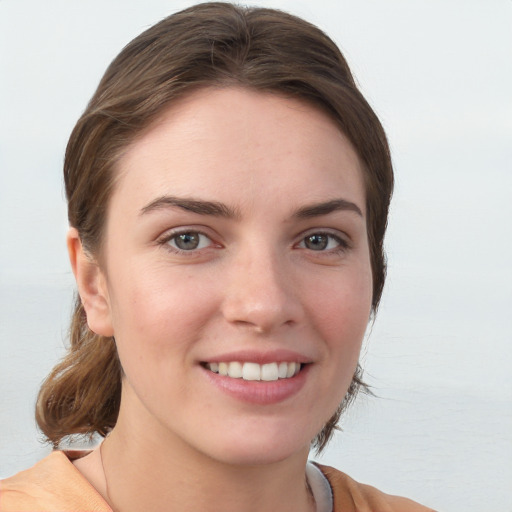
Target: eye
{"x": 188, "y": 241}
{"x": 322, "y": 242}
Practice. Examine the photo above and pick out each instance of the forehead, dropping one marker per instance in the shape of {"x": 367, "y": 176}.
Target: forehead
{"x": 216, "y": 140}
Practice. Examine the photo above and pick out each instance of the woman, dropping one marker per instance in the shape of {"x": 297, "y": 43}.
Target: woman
{"x": 228, "y": 189}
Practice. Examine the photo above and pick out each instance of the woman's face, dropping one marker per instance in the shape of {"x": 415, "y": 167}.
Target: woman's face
{"x": 236, "y": 242}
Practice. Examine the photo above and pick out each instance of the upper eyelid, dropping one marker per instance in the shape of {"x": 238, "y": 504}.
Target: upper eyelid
{"x": 344, "y": 243}
{"x": 173, "y": 239}
{"x": 172, "y": 232}
{"x": 340, "y": 240}
{"x": 336, "y": 233}
{"x": 165, "y": 239}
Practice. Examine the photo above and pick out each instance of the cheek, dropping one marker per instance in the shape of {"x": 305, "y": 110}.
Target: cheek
{"x": 342, "y": 315}
{"x": 154, "y": 327}
{"x": 157, "y": 311}
{"x": 343, "y": 309}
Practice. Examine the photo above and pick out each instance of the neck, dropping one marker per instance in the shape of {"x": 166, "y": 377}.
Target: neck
{"x": 144, "y": 471}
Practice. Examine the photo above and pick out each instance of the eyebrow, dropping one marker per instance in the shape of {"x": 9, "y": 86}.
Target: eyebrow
{"x": 324, "y": 208}
{"x": 198, "y": 206}
{"x": 217, "y": 209}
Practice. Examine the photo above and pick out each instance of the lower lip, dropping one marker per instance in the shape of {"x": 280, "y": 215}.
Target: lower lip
{"x": 257, "y": 391}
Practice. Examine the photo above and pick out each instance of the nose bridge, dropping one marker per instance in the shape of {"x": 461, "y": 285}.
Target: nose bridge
{"x": 260, "y": 292}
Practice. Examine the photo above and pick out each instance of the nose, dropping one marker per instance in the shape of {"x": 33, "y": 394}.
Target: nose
{"x": 261, "y": 293}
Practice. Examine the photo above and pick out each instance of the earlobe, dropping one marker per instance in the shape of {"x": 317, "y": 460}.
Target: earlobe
{"x": 92, "y": 286}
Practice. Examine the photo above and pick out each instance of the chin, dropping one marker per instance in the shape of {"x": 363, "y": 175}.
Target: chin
{"x": 266, "y": 446}
{"x": 252, "y": 455}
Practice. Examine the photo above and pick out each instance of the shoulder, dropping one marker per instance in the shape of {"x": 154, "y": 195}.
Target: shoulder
{"x": 351, "y": 496}
{"x": 52, "y": 484}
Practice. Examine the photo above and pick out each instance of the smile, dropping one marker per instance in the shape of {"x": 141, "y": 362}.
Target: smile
{"x": 254, "y": 371}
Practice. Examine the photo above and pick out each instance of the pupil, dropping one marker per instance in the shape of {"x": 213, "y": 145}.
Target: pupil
{"x": 187, "y": 241}
{"x": 316, "y": 242}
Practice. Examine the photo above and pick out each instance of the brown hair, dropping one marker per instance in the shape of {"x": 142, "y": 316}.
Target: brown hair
{"x": 208, "y": 45}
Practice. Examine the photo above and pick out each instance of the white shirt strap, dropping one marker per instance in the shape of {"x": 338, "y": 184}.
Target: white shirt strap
{"x": 320, "y": 487}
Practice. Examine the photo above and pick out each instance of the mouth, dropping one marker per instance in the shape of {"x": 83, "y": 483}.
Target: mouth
{"x": 255, "y": 372}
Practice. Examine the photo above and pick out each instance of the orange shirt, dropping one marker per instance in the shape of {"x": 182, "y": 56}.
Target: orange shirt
{"x": 55, "y": 485}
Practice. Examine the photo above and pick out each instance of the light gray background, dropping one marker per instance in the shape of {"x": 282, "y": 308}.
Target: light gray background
{"x": 439, "y": 356}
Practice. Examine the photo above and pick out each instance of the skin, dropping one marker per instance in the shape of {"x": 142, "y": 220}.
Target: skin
{"x": 256, "y": 283}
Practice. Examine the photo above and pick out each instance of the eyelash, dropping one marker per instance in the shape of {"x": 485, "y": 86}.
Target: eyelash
{"x": 169, "y": 237}
{"x": 342, "y": 245}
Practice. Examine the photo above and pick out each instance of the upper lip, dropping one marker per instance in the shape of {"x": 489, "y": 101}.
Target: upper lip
{"x": 260, "y": 357}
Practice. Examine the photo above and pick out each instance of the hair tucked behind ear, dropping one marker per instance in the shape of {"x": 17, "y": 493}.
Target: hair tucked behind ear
{"x": 83, "y": 392}
{"x": 208, "y": 45}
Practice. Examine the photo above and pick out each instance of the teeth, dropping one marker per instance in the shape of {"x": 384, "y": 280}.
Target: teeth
{"x": 254, "y": 371}
{"x": 235, "y": 370}
{"x": 251, "y": 371}
{"x": 290, "y": 372}
{"x": 269, "y": 371}
{"x": 223, "y": 369}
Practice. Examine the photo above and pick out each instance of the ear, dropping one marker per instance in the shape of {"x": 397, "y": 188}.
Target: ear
{"x": 92, "y": 286}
